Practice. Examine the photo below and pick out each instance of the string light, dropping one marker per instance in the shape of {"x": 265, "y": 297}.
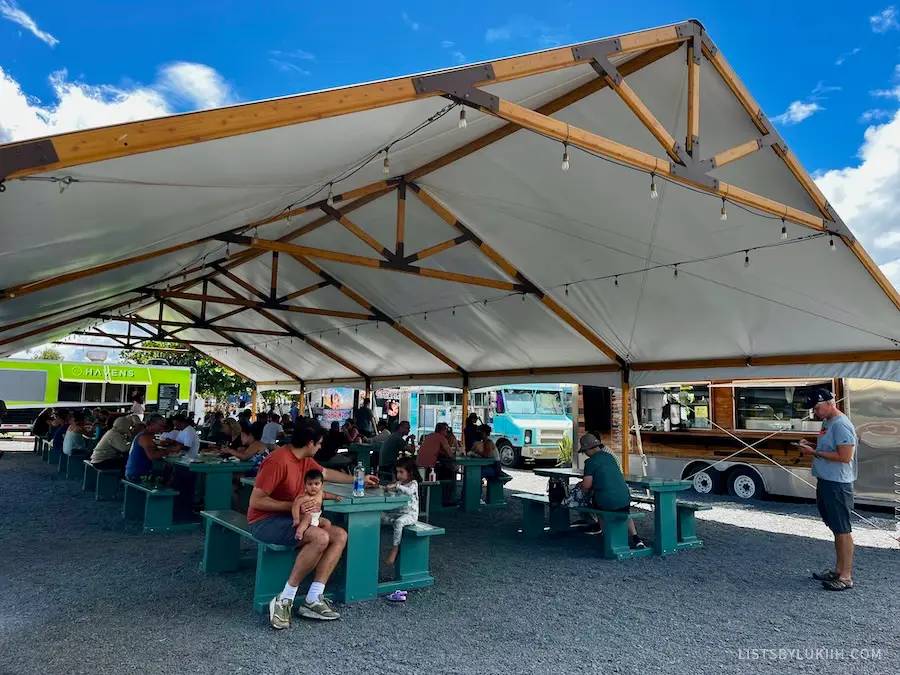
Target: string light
{"x": 567, "y": 290}
{"x": 616, "y": 281}
{"x": 565, "y": 160}
{"x": 676, "y": 271}
{"x": 227, "y": 251}
{"x": 783, "y": 230}
{"x": 523, "y": 297}
{"x": 831, "y": 243}
{"x": 387, "y": 163}
{"x": 426, "y": 316}
{"x": 454, "y": 311}
{"x": 723, "y": 214}
{"x": 330, "y": 199}
{"x": 462, "y": 118}
{"x": 746, "y": 258}
{"x": 653, "y": 192}
{"x": 64, "y": 183}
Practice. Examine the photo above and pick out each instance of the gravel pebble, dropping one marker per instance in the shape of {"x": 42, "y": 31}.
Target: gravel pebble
{"x": 84, "y": 593}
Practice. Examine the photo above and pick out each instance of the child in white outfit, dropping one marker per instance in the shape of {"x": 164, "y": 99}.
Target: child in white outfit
{"x": 408, "y": 513}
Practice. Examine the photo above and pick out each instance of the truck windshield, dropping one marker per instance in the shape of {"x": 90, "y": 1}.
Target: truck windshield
{"x": 549, "y": 403}
{"x": 519, "y": 401}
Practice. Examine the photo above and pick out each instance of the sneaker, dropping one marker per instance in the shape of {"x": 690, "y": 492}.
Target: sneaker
{"x": 829, "y": 575}
{"x": 320, "y": 610}
{"x": 280, "y": 613}
{"x": 637, "y": 543}
{"x": 593, "y": 529}
{"x": 838, "y": 584}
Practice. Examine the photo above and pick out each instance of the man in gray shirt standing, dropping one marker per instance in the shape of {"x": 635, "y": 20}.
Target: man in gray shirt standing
{"x": 834, "y": 466}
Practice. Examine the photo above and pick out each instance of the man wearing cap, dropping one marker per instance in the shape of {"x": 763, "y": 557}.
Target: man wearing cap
{"x": 834, "y": 466}
{"x": 604, "y": 483}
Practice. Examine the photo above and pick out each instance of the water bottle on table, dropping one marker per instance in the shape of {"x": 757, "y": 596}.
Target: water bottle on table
{"x": 359, "y": 480}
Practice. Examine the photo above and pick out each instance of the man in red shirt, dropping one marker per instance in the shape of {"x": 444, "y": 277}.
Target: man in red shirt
{"x": 281, "y": 481}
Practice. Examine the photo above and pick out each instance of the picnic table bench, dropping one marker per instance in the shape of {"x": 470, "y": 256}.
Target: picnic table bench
{"x": 615, "y": 524}
{"x": 104, "y": 483}
{"x": 154, "y": 505}
{"x": 666, "y": 515}
{"x": 687, "y": 523}
{"x": 356, "y": 578}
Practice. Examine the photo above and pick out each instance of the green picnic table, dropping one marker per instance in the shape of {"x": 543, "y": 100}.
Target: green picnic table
{"x": 665, "y": 510}
{"x": 361, "y": 517}
{"x": 218, "y": 474}
{"x": 471, "y": 471}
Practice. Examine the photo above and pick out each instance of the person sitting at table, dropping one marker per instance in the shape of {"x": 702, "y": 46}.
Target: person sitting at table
{"x": 272, "y": 431}
{"x": 144, "y": 450}
{"x": 216, "y": 427}
{"x": 486, "y": 448}
{"x": 383, "y": 432}
{"x": 251, "y": 449}
{"x": 59, "y": 425}
{"x": 471, "y": 434}
{"x": 278, "y": 485}
{"x": 333, "y": 441}
{"x": 408, "y": 514}
{"x": 41, "y": 425}
{"x": 112, "y": 449}
{"x": 231, "y": 435}
{"x": 313, "y": 488}
{"x": 435, "y": 451}
{"x": 392, "y": 447}
{"x": 186, "y": 440}
{"x": 351, "y": 433}
{"x": 74, "y": 438}
{"x": 603, "y": 486}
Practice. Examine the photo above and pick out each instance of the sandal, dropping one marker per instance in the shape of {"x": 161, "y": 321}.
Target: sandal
{"x": 830, "y": 575}
{"x": 838, "y": 584}
{"x": 396, "y": 596}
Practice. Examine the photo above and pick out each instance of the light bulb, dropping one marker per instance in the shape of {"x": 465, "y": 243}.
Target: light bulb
{"x": 783, "y": 230}
{"x": 565, "y": 162}
{"x": 387, "y": 164}
{"x": 617, "y": 280}
{"x": 227, "y": 252}
{"x": 454, "y": 311}
{"x": 653, "y": 193}
{"x": 330, "y": 199}
{"x": 676, "y": 272}
{"x": 567, "y": 290}
{"x": 462, "y": 118}
{"x": 746, "y": 259}
{"x": 831, "y": 243}
{"x": 723, "y": 214}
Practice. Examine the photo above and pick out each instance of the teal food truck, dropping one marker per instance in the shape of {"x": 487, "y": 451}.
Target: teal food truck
{"x": 528, "y": 421}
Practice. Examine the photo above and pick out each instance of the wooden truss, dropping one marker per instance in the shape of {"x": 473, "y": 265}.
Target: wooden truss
{"x": 684, "y": 164}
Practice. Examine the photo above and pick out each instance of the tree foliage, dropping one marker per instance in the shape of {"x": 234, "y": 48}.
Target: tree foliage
{"x": 212, "y": 379}
{"x": 47, "y": 353}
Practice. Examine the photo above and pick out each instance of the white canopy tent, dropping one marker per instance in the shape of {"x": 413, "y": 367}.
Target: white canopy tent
{"x": 363, "y": 236}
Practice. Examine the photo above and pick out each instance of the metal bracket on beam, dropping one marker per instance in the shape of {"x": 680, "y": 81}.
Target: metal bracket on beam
{"x": 694, "y": 171}
{"x": 232, "y": 238}
{"x": 695, "y": 28}
{"x": 28, "y": 155}
{"x": 591, "y": 50}
{"x": 838, "y": 226}
{"x": 460, "y": 86}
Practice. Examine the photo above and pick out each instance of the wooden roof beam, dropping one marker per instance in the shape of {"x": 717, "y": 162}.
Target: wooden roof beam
{"x": 242, "y": 302}
{"x": 530, "y": 287}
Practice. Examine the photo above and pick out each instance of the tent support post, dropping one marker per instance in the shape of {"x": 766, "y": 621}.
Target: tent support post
{"x": 401, "y": 219}
{"x": 465, "y": 406}
{"x": 273, "y": 285}
{"x": 301, "y": 404}
{"x": 625, "y": 421}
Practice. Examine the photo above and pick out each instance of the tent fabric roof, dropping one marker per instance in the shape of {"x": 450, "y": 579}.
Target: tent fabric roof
{"x": 574, "y": 273}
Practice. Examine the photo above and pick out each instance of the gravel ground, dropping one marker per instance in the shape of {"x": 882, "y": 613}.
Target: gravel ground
{"x": 82, "y": 593}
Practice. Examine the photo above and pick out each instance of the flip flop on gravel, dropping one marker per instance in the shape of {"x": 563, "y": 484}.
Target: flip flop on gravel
{"x": 838, "y": 584}
{"x": 829, "y": 575}
{"x": 396, "y": 596}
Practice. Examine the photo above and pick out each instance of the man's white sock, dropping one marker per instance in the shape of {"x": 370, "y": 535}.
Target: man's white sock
{"x": 289, "y": 592}
{"x": 315, "y": 590}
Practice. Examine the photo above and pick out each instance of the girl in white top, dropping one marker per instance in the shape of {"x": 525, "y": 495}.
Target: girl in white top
{"x": 407, "y": 514}
{"x": 137, "y": 408}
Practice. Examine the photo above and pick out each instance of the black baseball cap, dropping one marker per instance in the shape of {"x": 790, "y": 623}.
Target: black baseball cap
{"x": 818, "y": 396}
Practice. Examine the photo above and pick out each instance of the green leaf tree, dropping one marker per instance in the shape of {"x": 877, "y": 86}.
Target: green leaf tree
{"x": 213, "y": 380}
{"x": 47, "y": 353}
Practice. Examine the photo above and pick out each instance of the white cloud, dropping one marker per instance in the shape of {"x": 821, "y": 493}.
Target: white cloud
{"x": 797, "y": 112}
{"x": 526, "y": 27}
{"x": 78, "y": 105}
{"x": 288, "y": 67}
{"x": 459, "y": 57}
{"x": 846, "y": 55}
{"x": 874, "y": 115}
{"x": 413, "y": 25}
{"x": 865, "y": 195}
{"x": 10, "y": 10}
{"x": 196, "y": 84}
{"x": 448, "y": 44}
{"x": 821, "y": 89}
{"x": 885, "y": 20}
{"x": 300, "y": 54}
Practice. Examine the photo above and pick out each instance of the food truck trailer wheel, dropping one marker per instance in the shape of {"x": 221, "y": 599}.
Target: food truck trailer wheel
{"x": 745, "y": 483}
{"x": 705, "y": 479}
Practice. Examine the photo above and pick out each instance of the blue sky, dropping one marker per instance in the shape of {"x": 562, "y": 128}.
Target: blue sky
{"x": 287, "y": 47}
{"x": 828, "y": 73}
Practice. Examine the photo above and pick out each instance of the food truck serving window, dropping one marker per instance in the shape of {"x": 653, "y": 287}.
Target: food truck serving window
{"x": 674, "y": 407}
{"x": 776, "y": 406}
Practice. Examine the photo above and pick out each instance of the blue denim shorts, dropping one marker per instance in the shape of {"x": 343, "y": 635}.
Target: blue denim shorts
{"x": 835, "y": 501}
{"x": 275, "y": 529}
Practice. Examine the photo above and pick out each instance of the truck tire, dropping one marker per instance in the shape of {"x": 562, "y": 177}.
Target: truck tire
{"x": 745, "y": 483}
{"x": 510, "y": 457}
{"x": 704, "y": 478}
